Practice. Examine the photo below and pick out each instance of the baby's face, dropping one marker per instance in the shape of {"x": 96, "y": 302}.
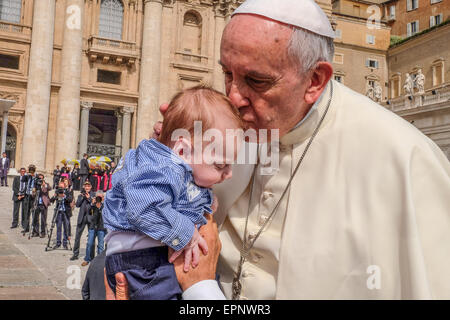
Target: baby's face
{"x": 216, "y": 164}
{"x": 207, "y": 175}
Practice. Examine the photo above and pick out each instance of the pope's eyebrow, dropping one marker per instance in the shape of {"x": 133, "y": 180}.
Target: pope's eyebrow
{"x": 253, "y": 73}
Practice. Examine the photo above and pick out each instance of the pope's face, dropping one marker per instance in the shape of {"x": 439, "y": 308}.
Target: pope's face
{"x": 260, "y": 77}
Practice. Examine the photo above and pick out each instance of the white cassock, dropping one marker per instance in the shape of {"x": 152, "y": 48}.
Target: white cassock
{"x": 367, "y": 215}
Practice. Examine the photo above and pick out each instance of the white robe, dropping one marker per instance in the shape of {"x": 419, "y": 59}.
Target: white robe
{"x": 372, "y": 195}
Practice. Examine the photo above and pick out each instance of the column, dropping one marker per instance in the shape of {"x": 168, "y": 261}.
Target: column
{"x": 68, "y": 114}
{"x": 84, "y": 128}
{"x": 34, "y": 142}
{"x": 118, "y": 132}
{"x": 219, "y": 79}
{"x": 4, "y": 131}
{"x": 126, "y": 126}
{"x": 148, "y": 107}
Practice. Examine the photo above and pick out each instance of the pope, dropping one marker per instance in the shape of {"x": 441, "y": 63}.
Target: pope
{"x": 360, "y": 205}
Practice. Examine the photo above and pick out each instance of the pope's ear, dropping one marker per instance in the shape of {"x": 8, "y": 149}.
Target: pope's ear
{"x": 183, "y": 148}
{"x": 320, "y": 77}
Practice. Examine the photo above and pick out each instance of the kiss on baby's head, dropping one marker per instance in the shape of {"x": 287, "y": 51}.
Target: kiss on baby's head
{"x": 215, "y": 111}
{"x": 200, "y": 103}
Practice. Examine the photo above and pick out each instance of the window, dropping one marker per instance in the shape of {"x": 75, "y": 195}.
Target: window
{"x": 111, "y": 19}
{"x": 435, "y": 20}
{"x": 356, "y": 10}
{"x": 338, "y": 78}
{"x": 435, "y": 1}
{"x": 10, "y": 10}
{"x": 372, "y": 63}
{"x": 412, "y": 4}
{"x": 106, "y": 76}
{"x": 438, "y": 72}
{"x": 338, "y": 34}
{"x": 370, "y": 39}
{"x": 338, "y": 58}
{"x": 9, "y": 62}
{"x": 392, "y": 12}
{"x": 412, "y": 28}
{"x": 395, "y": 86}
{"x": 192, "y": 33}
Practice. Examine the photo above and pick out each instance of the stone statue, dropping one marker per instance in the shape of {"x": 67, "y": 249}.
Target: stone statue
{"x": 408, "y": 86}
{"x": 369, "y": 92}
{"x": 419, "y": 82}
{"x": 378, "y": 92}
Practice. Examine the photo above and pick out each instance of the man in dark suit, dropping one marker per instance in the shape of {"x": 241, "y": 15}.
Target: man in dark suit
{"x": 41, "y": 209}
{"x": 30, "y": 195}
{"x": 84, "y": 202}
{"x": 18, "y": 198}
{"x": 4, "y": 168}
{"x": 84, "y": 169}
{"x": 63, "y": 203}
{"x": 94, "y": 284}
{"x": 56, "y": 176}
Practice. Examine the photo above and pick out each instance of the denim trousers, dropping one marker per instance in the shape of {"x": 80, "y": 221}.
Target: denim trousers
{"x": 92, "y": 234}
{"x": 149, "y": 274}
{"x": 61, "y": 222}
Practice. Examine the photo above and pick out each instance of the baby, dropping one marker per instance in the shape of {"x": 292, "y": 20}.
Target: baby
{"x": 160, "y": 192}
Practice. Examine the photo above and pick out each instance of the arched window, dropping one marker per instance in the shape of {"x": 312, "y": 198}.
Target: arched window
{"x": 10, "y": 10}
{"x": 111, "y": 19}
{"x": 192, "y": 33}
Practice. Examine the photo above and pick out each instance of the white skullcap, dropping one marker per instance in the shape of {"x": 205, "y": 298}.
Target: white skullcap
{"x": 305, "y": 14}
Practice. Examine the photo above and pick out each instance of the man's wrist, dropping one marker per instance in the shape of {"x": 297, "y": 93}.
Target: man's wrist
{"x": 192, "y": 282}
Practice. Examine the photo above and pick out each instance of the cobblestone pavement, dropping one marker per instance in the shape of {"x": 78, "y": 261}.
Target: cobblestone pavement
{"x": 27, "y": 271}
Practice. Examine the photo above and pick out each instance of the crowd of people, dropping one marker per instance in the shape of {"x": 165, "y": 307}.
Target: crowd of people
{"x": 31, "y": 196}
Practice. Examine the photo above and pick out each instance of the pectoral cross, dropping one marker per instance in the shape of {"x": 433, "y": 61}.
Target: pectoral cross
{"x": 237, "y": 285}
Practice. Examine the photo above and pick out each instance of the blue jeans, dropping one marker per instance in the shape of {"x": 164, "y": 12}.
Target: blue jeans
{"x": 61, "y": 221}
{"x": 149, "y": 274}
{"x": 92, "y": 234}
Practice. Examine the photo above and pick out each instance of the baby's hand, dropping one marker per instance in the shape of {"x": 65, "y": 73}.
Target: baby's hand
{"x": 191, "y": 251}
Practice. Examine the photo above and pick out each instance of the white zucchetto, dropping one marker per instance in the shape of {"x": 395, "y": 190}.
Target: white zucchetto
{"x": 304, "y": 14}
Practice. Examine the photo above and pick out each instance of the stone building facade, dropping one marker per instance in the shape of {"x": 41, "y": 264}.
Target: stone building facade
{"x": 361, "y": 46}
{"x": 407, "y": 17}
{"x": 89, "y": 75}
{"x": 429, "y": 110}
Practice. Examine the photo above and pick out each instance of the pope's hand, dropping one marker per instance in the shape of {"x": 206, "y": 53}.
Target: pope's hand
{"x": 206, "y": 269}
{"x": 158, "y": 126}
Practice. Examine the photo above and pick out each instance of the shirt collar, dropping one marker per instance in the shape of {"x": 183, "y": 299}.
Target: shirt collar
{"x": 314, "y": 107}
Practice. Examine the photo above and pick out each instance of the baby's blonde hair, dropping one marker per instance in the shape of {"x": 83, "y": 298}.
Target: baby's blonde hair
{"x": 200, "y": 103}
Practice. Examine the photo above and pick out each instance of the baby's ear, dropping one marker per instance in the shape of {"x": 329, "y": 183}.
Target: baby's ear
{"x": 183, "y": 149}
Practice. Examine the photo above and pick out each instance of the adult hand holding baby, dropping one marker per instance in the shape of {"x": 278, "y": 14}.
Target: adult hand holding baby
{"x": 206, "y": 269}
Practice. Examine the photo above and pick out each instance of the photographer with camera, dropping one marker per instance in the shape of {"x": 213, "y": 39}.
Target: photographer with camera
{"x": 63, "y": 200}
{"x": 96, "y": 229}
{"x": 30, "y": 194}
{"x": 84, "y": 202}
{"x": 18, "y": 198}
{"x": 41, "y": 208}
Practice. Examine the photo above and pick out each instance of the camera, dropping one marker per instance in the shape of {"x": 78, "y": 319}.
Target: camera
{"x": 39, "y": 182}
{"x": 98, "y": 199}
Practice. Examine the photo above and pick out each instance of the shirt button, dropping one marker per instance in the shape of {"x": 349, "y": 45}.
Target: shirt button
{"x": 267, "y": 195}
{"x": 255, "y": 257}
{"x": 251, "y": 236}
{"x": 175, "y": 242}
{"x": 263, "y": 220}
{"x": 246, "y": 274}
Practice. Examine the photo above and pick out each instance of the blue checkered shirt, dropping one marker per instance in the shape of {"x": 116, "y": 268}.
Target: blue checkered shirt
{"x": 153, "y": 192}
